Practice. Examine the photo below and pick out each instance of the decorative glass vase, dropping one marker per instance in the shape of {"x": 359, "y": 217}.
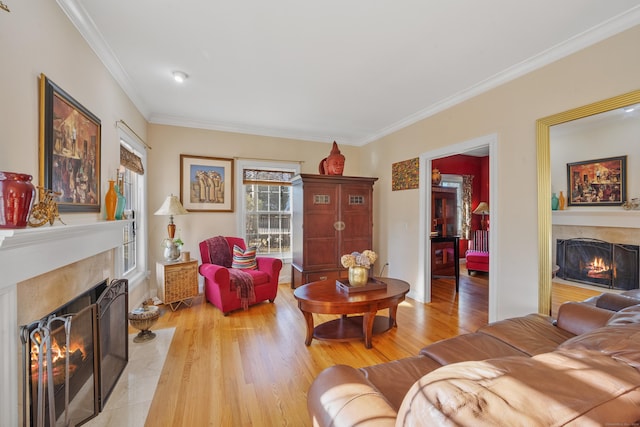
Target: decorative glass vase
{"x": 16, "y": 199}
{"x": 358, "y": 275}
{"x": 121, "y": 203}
{"x": 554, "y": 202}
{"x": 561, "y": 201}
{"x": 111, "y": 201}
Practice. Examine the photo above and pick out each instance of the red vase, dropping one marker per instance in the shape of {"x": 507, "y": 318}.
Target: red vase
{"x": 111, "y": 201}
{"x": 16, "y": 198}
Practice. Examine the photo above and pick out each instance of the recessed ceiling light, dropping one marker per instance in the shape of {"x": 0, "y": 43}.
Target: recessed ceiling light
{"x": 180, "y": 76}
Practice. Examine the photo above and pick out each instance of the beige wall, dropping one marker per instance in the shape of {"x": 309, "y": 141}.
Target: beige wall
{"x": 609, "y": 68}
{"x": 169, "y": 142}
{"x": 36, "y": 37}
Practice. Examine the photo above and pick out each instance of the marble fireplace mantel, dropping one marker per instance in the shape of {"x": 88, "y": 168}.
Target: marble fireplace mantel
{"x": 591, "y": 217}
{"x": 26, "y": 254}
{"x": 29, "y": 252}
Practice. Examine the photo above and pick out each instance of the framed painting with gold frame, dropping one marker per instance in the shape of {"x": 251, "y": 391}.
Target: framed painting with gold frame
{"x": 69, "y": 150}
{"x": 600, "y": 182}
{"x": 206, "y": 183}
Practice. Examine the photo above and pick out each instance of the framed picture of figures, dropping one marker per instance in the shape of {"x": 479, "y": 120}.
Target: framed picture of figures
{"x": 69, "y": 150}
{"x": 601, "y": 182}
{"x": 206, "y": 183}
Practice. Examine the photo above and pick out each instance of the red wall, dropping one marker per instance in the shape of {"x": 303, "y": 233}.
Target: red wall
{"x": 461, "y": 164}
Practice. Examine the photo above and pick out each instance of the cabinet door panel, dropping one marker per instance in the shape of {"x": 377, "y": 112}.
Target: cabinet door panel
{"x": 320, "y": 230}
{"x": 356, "y": 212}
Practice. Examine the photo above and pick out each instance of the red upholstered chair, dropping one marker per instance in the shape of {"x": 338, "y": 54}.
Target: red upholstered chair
{"x": 478, "y": 254}
{"x": 219, "y": 290}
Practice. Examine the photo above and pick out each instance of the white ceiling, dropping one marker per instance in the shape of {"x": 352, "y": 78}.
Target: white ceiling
{"x": 351, "y": 71}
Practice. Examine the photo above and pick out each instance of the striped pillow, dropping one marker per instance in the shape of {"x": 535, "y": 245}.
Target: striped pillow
{"x": 244, "y": 259}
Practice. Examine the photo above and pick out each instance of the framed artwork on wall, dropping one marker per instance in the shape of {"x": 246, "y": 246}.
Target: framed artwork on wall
{"x": 405, "y": 174}
{"x": 206, "y": 183}
{"x": 600, "y": 182}
{"x": 69, "y": 150}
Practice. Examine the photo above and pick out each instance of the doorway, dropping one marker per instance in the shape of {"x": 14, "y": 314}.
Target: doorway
{"x": 487, "y": 143}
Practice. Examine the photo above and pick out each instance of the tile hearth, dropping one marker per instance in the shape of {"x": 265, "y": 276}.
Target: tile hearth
{"x": 131, "y": 398}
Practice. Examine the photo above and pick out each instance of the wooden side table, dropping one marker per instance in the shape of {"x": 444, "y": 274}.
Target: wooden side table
{"x": 177, "y": 282}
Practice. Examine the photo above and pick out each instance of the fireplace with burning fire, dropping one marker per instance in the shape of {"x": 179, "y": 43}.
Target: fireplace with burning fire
{"x": 74, "y": 357}
{"x": 599, "y": 263}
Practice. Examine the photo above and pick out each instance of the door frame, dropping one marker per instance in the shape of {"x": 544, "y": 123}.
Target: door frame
{"x": 491, "y": 140}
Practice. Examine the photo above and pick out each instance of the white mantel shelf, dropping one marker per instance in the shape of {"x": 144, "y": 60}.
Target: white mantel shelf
{"x": 29, "y": 252}
{"x": 597, "y": 218}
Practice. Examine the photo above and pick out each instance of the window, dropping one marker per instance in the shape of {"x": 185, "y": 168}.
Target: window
{"x": 455, "y": 181}
{"x": 127, "y": 182}
{"x": 131, "y": 181}
{"x": 266, "y": 208}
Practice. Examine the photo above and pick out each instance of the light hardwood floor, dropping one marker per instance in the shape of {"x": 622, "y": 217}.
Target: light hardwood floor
{"x": 251, "y": 368}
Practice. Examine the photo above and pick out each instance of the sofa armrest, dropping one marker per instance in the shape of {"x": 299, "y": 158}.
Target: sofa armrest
{"x": 214, "y": 272}
{"x": 341, "y": 396}
{"x": 578, "y": 317}
{"x": 270, "y": 265}
{"x": 615, "y": 302}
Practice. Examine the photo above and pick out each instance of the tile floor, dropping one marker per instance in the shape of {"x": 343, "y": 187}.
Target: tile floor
{"x": 131, "y": 398}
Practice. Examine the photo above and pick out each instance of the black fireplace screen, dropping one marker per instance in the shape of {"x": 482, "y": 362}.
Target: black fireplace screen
{"x": 74, "y": 356}
{"x": 600, "y": 263}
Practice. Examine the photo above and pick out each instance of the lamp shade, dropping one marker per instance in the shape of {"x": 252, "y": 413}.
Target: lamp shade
{"x": 482, "y": 209}
{"x": 171, "y": 206}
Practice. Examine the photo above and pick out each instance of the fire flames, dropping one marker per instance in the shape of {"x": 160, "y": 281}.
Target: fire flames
{"x": 77, "y": 354}
{"x": 597, "y": 268}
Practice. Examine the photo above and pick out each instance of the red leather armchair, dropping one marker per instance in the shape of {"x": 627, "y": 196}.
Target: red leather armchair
{"x": 218, "y": 289}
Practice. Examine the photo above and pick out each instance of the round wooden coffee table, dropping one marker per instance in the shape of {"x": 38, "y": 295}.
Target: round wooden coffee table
{"x": 324, "y": 297}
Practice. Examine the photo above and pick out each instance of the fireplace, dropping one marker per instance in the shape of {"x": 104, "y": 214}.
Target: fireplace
{"x": 74, "y": 357}
{"x": 599, "y": 263}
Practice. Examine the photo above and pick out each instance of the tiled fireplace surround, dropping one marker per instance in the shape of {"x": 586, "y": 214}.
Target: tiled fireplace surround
{"x": 40, "y": 270}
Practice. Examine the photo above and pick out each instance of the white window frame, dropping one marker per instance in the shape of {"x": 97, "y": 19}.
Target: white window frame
{"x": 140, "y": 273}
{"x": 455, "y": 181}
{"x": 274, "y": 165}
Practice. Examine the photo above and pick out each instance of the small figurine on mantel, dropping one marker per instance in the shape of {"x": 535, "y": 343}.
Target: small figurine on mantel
{"x": 334, "y": 163}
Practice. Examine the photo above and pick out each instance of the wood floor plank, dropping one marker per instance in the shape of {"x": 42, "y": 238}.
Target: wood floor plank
{"x": 251, "y": 368}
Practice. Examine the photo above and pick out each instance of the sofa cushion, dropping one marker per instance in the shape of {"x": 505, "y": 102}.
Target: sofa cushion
{"x": 579, "y": 318}
{"x": 259, "y": 277}
{"x": 620, "y": 342}
{"x": 557, "y": 388}
{"x": 532, "y": 334}
{"x": 244, "y": 258}
{"x": 477, "y": 256}
{"x": 465, "y": 347}
{"x": 393, "y": 379}
{"x": 625, "y": 316}
{"x": 615, "y": 302}
{"x": 341, "y": 396}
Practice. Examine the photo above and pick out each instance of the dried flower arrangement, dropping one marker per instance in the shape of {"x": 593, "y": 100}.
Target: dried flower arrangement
{"x": 357, "y": 259}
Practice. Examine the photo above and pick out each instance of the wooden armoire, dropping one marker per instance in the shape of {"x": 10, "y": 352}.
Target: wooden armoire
{"x": 332, "y": 216}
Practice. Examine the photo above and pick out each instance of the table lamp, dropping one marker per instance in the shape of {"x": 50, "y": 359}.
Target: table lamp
{"x": 171, "y": 207}
{"x": 482, "y": 209}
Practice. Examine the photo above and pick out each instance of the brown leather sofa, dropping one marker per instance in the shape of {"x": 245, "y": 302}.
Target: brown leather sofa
{"x": 583, "y": 369}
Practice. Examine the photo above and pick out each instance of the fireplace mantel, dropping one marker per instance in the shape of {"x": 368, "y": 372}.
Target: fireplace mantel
{"x": 597, "y": 218}
{"x": 29, "y": 252}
